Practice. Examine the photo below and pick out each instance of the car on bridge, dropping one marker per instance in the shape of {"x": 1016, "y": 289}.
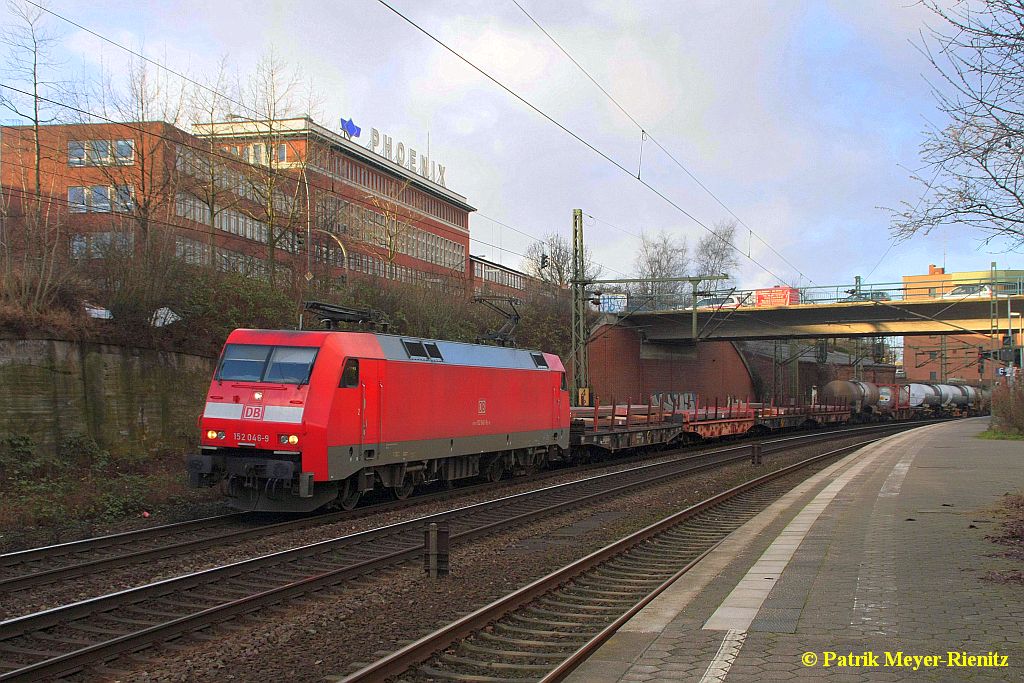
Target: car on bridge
{"x": 975, "y": 291}
{"x": 865, "y": 296}
{"x": 729, "y": 302}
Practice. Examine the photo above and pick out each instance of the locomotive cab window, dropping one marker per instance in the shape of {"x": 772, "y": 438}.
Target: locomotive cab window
{"x": 243, "y": 362}
{"x": 261, "y": 363}
{"x": 350, "y": 375}
{"x": 539, "y": 360}
{"x": 290, "y": 365}
{"x": 565, "y": 386}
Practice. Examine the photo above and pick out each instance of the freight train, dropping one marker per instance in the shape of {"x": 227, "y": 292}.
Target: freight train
{"x": 298, "y": 420}
{"x": 869, "y": 401}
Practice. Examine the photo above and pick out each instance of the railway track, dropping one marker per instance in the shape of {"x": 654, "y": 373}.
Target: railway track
{"x": 544, "y": 630}
{"x": 27, "y": 569}
{"x": 65, "y": 639}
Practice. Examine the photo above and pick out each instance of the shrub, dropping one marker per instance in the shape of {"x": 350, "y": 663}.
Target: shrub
{"x": 1008, "y": 408}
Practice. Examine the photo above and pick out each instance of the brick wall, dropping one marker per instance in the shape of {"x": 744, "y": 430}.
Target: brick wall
{"x": 624, "y": 368}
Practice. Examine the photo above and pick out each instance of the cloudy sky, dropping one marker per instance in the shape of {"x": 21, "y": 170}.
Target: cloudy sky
{"x": 802, "y": 118}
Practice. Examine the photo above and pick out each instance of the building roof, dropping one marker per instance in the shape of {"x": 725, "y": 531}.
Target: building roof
{"x": 303, "y": 126}
{"x": 481, "y": 259}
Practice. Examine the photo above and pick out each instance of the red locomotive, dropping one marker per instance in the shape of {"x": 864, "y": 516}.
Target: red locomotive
{"x": 295, "y": 420}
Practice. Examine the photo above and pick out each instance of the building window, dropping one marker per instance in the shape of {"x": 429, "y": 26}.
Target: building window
{"x": 932, "y": 355}
{"x": 99, "y": 198}
{"x": 98, "y": 152}
{"x": 76, "y": 200}
{"x": 932, "y": 376}
{"x": 124, "y": 152}
{"x": 257, "y": 154}
{"x": 76, "y": 153}
{"x": 282, "y": 152}
{"x": 100, "y": 244}
{"x": 123, "y": 195}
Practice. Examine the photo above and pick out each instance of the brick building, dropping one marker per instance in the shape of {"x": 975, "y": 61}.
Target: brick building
{"x": 955, "y": 357}
{"x": 259, "y": 197}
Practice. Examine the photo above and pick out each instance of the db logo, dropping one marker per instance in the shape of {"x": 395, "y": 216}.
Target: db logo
{"x": 481, "y": 406}
{"x": 252, "y": 413}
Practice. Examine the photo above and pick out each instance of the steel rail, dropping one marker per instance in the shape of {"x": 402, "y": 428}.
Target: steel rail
{"x": 564, "y": 496}
{"x": 49, "y": 554}
{"x": 423, "y": 649}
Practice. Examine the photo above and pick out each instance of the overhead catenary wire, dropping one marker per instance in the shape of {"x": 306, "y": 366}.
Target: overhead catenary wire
{"x": 579, "y": 138}
{"x": 442, "y": 44}
{"x": 646, "y": 134}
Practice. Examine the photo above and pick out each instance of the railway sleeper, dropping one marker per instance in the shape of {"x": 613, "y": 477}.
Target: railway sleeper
{"x": 67, "y": 640}
{"x": 551, "y": 623}
{"x": 435, "y": 673}
{"x": 91, "y": 628}
{"x": 601, "y": 593}
{"x": 562, "y": 646}
{"x": 611, "y": 574}
{"x": 543, "y": 613}
{"x": 486, "y": 665}
{"x": 27, "y": 651}
{"x": 505, "y": 627}
{"x": 603, "y": 610}
{"x": 512, "y": 654}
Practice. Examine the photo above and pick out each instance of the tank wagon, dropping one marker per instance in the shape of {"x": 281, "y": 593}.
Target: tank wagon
{"x": 295, "y": 420}
{"x": 867, "y": 400}
{"x": 861, "y": 397}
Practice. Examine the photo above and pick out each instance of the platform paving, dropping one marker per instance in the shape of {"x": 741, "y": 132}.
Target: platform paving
{"x": 883, "y": 552}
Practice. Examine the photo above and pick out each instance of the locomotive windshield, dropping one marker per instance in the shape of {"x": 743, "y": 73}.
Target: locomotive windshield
{"x": 259, "y": 363}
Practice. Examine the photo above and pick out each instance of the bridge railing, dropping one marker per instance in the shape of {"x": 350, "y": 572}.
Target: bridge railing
{"x": 915, "y": 290}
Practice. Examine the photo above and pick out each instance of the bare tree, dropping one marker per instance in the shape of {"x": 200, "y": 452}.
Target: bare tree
{"x": 209, "y": 174}
{"x": 139, "y": 167}
{"x": 972, "y": 171}
{"x": 278, "y": 200}
{"x": 33, "y": 241}
{"x": 139, "y": 162}
{"x": 661, "y": 255}
{"x": 557, "y": 268}
{"x": 715, "y": 254}
{"x": 387, "y": 224}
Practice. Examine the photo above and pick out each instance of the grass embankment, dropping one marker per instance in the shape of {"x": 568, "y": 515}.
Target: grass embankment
{"x": 1000, "y": 436}
{"x": 85, "y": 490}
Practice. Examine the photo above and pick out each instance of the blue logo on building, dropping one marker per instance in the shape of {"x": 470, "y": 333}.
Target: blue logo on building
{"x": 350, "y": 128}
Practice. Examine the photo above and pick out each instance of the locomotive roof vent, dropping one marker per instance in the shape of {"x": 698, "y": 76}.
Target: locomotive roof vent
{"x": 415, "y": 349}
{"x": 418, "y": 350}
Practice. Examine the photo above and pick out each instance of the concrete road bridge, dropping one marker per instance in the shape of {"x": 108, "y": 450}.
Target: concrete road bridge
{"x": 819, "y": 321}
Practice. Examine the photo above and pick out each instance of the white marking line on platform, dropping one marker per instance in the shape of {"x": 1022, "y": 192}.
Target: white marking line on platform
{"x": 894, "y": 482}
{"x": 741, "y": 606}
{"x": 875, "y": 593}
{"x": 727, "y": 653}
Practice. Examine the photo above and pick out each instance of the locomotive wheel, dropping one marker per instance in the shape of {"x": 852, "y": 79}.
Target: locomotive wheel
{"x": 404, "y": 490}
{"x": 495, "y": 471}
{"x": 350, "y": 495}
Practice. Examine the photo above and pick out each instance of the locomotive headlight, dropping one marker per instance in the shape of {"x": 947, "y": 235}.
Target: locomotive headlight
{"x": 221, "y": 435}
{"x": 211, "y": 434}
{"x": 293, "y": 439}
{"x": 283, "y": 439}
